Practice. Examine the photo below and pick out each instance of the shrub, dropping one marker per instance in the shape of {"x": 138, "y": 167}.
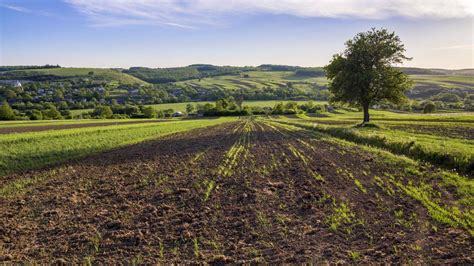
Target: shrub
{"x": 429, "y": 107}
{"x": 149, "y": 112}
{"x": 6, "y": 112}
{"x": 102, "y": 112}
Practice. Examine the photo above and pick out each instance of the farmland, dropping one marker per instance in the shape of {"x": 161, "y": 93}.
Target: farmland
{"x": 300, "y": 188}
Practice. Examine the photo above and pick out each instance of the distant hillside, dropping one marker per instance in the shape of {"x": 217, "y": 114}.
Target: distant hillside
{"x": 437, "y": 71}
{"x": 209, "y": 82}
{"x": 45, "y": 74}
{"x": 166, "y": 75}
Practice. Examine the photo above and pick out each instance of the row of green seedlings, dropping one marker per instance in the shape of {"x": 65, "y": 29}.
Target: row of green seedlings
{"x": 272, "y": 164}
{"x": 296, "y": 152}
{"x": 22, "y": 185}
{"x": 238, "y": 152}
{"x": 423, "y": 193}
{"x": 389, "y": 190}
{"x": 175, "y": 250}
{"x": 342, "y": 213}
{"x": 199, "y": 245}
{"x": 149, "y": 177}
{"x": 452, "y": 216}
{"x": 449, "y": 215}
{"x": 341, "y": 217}
{"x": 465, "y": 163}
{"x": 266, "y": 224}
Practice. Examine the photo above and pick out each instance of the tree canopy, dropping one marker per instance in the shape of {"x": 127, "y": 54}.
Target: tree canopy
{"x": 6, "y": 112}
{"x": 364, "y": 75}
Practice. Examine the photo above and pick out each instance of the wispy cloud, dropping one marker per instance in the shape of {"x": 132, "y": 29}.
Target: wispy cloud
{"x": 189, "y": 13}
{"x": 17, "y": 8}
{"x": 456, "y": 47}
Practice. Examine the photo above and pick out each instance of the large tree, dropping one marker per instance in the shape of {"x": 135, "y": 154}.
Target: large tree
{"x": 364, "y": 75}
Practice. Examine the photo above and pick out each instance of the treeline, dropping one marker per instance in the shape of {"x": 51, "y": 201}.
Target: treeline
{"x": 299, "y": 71}
{"x": 44, "y": 112}
{"x": 222, "y": 107}
{"x": 310, "y": 72}
{"x": 166, "y": 75}
{"x": 230, "y": 107}
{"x": 28, "y": 75}
{"x": 10, "y": 68}
{"x": 198, "y": 71}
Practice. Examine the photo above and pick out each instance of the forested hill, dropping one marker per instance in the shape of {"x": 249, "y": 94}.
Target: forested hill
{"x": 198, "y": 71}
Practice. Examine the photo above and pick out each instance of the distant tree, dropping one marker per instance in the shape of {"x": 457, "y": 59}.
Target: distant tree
{"x": 189, "y": 108}
{"x": 168, "y": 112}
{"x": 278, "y": 109}
{"x": 363, "y": 74}
{"x": 160, "y": 114}
{"x": 149, "y": 112}
{"x": 90, "y": 73}
{"x": 429, "y": 107}
{"x": 102, "y": 112}
{"x": 6, "y": 112}
{"x": 240, "y": 100}
{"x": 293, "y": 106}
{"x": 58, "y": 95}
{"x": 36, "y": 115}
{"x": 222, "y": 104}
{"x": 447, "y": 97}
{"x": 10, "y": 94}
{"x": 52, "y": 113}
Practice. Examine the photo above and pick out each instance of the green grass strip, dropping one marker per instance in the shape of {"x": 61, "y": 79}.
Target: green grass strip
{"x": 36, "y": 149}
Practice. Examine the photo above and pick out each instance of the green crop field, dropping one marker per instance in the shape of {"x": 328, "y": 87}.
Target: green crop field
{"x": 255, "y": 80}
{"x": 446, "y": 81}
{"x": 30, "y": 150}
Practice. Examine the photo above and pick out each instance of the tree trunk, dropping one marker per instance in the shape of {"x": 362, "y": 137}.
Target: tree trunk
{"x": 366, "y": 114}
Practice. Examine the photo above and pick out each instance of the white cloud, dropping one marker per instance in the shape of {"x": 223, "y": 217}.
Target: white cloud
{"x": 189, "y": 13}
{"x": 17, "y": 8}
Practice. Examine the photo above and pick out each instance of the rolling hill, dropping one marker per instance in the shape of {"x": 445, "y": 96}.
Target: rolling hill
{"x": 44, "y": 74}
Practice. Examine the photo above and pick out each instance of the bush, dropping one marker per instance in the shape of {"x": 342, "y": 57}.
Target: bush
{"x": 429, "y": 107}
{"x": 149, "y": 112}
{"x": 102, "y": 112}
{"x": 52, "y": 113}
{"x": 36, "y": 115}
{"x": 6, "y": 112}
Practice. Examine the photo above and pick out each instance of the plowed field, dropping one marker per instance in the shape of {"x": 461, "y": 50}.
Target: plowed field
{"x": 239, "y": 192}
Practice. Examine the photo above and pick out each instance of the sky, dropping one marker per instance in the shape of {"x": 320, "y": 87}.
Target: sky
{"x": 168, "y": 33}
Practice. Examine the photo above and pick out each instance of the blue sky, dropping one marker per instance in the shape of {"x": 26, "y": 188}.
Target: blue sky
{"x": 165, "y": 33}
